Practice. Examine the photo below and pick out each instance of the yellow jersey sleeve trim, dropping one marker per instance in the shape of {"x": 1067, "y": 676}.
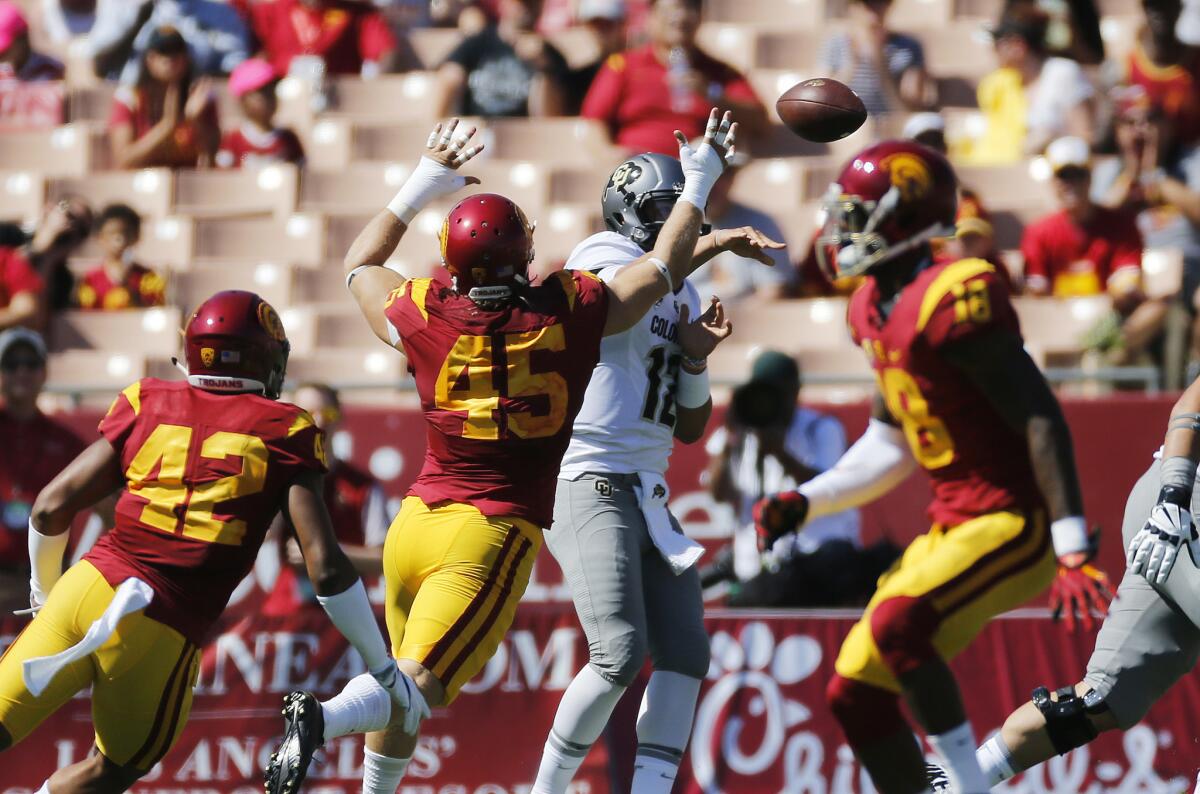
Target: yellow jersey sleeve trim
{"x": 569, "y": 286}
{"x": 956, "y": 273}
{"x": 420, "y": 291}
{"x": 133, "y": 393}
{"x": 303, "y": 420}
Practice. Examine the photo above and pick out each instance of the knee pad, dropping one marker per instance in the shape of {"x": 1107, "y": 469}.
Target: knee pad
{"x": 867, "y": 713}
{"x": 620, "y": 660}
{"x": 1067, "y": 722}
{"x": 687, "y": 655}
{"x": 903, "y": 629}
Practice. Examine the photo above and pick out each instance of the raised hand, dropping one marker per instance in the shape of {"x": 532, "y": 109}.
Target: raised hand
{"x": 748, "y": 242}
{"x": 450, "y": 145}
{"x": 700, "y": 337}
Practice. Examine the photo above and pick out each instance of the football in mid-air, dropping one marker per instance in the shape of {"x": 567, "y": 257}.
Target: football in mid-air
{"x": 821, "y": 110}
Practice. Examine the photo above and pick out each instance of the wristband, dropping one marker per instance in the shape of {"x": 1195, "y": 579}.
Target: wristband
{"x": 694, "y": 363}
{"x": 428, "y": 181}
{"x": 45, "y": 560}
{"x": 1178, "y": 477}
{"x": 665, "y": 272}
{"x": 697, "y": 188}
{"x": 1069, "y": 535}
{"x": 691, "y": 390}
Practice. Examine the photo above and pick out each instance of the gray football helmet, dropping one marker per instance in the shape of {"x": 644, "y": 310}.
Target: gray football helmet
{"x": 640, "y": 195}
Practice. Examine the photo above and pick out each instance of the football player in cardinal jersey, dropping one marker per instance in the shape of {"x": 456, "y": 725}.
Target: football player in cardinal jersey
{"x": 500, "y": 367}
{"x": 204, "y": 466}
{"x": 629, "y": 566}
{"x": 959, "y": 396}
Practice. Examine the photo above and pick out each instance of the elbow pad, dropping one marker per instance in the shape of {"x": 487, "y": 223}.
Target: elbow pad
{"x": 876, "y": 463}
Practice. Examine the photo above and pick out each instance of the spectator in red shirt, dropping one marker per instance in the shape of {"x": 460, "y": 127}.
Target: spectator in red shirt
{"x": 1166, "y": 69}
{"x": 119, "y": 282}
{"x": 165, "y": 118}
{"x": 1088, "y": 249}
{"x": 17, "y": 56}
{"x": 20, "y": 290}
{"x": 644, "y": 95}
{"x": 35, "y": 449}
{"x": 257, "y": 141}
{"x": 351, "y": 38}
{"x": 356, "y": 502}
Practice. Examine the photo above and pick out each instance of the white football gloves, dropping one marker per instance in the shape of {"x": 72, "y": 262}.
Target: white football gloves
{"x": 703, "y": 166}
{"x": 404, "y": 693}
{"x": 1155, "y": 548}
{"x": 436, "y": 175}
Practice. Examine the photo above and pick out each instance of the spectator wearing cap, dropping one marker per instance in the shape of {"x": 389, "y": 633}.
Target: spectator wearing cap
{"x": 349, "y": 38}
{"x": 644, "y": 95}
{"x": 886, "y": 69}
{"x": 604, "y": 23}
{"x": 1088, "y": 249}
{"x": 770, "y": 443}
{"x": 1166, "y": 69}
{"x": 506, "y": 69}
{"x": 21, "y": 290}
{"x": 1032, "y": 98}
{"x": 35, "y": 449}
{"x": 215, "y": 33}
{"x": 732, "y": 276}
{"x": 119, "y": 282}
{"x": 168, "y": 117}
{"x": 18, "y": 59}
{"x": 1159, "y": 179}
{"x": 257, "y": 141}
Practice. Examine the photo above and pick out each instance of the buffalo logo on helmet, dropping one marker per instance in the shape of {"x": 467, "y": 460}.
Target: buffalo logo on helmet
{"x": 207, "y": 356}
{"x": 269, "y": 319}
{"x": 624, "y": 175}
{"x": 910, "y": 175}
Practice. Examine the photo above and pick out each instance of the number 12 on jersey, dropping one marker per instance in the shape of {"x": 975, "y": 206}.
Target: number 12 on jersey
{"x": 660, "y": 402}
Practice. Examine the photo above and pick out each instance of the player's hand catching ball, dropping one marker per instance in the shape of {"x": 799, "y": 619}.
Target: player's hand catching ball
{"x": 1155, "y": 548}
{"x": 776, "y": 516}
{"x": 698, "y": 338}
{"x": 748, "y": 242}
{"x": 1076, "y": 592}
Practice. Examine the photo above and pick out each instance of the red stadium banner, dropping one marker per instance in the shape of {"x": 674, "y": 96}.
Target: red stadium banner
{"x": 761, "y": 725}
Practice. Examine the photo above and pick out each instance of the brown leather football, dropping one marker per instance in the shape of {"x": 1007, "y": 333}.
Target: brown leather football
{"x": 821, "y": 110}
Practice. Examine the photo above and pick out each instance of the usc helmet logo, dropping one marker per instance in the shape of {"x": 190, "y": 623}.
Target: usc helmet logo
{"x": 207, "y": 356}
{"x": 269, "y": 320}
{"x": 444, "y": 235}
{"x": 909, "y": 174}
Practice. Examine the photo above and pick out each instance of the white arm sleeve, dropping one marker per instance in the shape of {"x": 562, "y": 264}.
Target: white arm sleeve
{"x": 874, "y": 465}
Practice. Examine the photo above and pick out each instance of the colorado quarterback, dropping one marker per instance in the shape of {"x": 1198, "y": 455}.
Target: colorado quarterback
{"x": 959, "y": 396}
{"x": 501, "y": 367}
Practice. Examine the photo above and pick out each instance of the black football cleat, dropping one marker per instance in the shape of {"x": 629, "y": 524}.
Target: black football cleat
{"x": 304, "y": 734}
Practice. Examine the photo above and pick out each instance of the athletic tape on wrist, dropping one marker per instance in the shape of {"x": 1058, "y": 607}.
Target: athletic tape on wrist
{"x": 1069, "y": 535}
{"x": 664, "y": 271}
{"x": 1178, "y": 471}
{"x": 692, "y": 390}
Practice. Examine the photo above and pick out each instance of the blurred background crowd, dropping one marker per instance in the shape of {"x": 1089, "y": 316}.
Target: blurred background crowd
{"x": 155, "y": 151}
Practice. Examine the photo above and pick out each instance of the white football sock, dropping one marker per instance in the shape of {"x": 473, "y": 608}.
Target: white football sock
{"x": 957, "y": 748}
{"x": 663, "y": 727}
{"x": 381, "y": 773}
{"x": 582, "y": 714}
{"x": 995, "y": 760}
{"x": 361, "y": 707}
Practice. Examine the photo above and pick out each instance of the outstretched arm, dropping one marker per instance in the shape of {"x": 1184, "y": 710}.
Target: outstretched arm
{"x": 638, "y": 286}
{"x": 447, "y": 149}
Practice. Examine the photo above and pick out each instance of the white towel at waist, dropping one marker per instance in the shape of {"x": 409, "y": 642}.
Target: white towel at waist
{"x": 680, "y": 551}
{"x": 131, "y": 595}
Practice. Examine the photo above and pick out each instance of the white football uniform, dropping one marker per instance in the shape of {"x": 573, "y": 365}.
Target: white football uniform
{"x": 627, "y": 422}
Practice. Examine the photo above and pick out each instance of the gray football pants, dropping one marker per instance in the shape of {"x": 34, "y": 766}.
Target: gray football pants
{"x": 629, "y": 601}
{"x": 1148, "y": 641}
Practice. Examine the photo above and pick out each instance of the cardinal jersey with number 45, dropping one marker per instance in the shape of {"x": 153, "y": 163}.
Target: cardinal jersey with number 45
{"x": 977, "y": 462}
{"x": 499, "y": 388}
{"x": 205, "y": 475}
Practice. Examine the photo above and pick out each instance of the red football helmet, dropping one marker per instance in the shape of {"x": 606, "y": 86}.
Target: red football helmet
{"x": 487, "y": 245}
{"x": 890, "y": 199}
{"x": 235, "y": 342}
